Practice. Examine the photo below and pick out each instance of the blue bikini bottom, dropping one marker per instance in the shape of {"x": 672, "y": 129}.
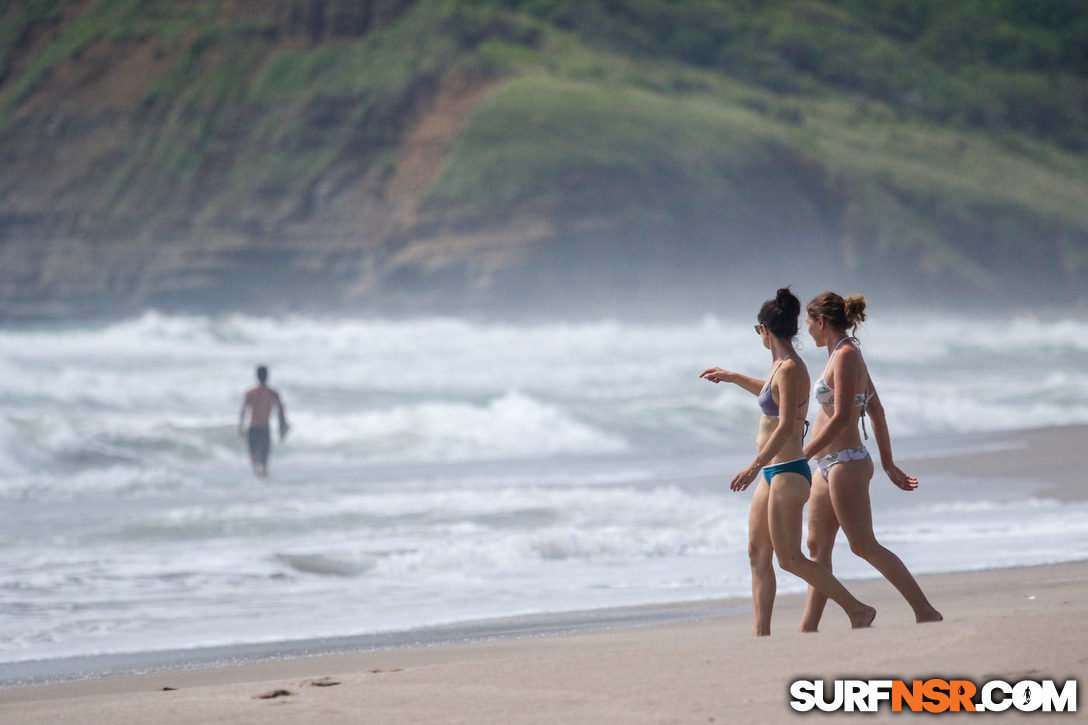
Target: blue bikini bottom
{"x": 798, "y": 466}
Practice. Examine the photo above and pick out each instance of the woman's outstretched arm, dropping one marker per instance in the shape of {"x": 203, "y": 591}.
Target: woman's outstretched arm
{"x": 718, "y": 375}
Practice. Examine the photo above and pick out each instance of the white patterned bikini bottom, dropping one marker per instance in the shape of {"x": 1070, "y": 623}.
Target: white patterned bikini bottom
{"x": 846, "y": 454}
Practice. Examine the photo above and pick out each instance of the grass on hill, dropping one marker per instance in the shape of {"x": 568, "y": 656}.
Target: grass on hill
{"x": 922, "y": 125}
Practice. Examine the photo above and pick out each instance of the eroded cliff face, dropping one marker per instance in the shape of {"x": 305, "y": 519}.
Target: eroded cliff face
{"x": 142, "y": 171}
{"x": 311, "y": 155}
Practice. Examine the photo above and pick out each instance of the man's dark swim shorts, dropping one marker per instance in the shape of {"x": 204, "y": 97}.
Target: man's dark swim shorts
{"x": 259, "y": 443}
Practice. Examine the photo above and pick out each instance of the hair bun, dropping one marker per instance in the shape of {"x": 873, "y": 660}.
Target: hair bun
{"x": 788, "y": 302}
{"x": 854, "y": 307}
{"x": 780, "y": 314}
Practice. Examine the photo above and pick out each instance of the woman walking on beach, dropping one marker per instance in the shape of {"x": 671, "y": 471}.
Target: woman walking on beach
{"x": 840, "y": 487}
{"x": 774, "y": 521}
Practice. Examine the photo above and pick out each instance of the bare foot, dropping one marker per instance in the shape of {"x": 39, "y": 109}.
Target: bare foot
{"x": 863, "y": 617}
{"x": 932, "y": 615}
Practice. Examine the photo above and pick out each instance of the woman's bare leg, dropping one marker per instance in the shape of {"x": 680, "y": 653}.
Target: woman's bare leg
{"x": 789, "y": 491}
{"x": 760, "y": 555}
{"x": 823, "y": 527}
{"x": 849, "y": 486}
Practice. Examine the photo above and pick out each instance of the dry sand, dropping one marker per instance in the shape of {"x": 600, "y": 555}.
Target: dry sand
{"x": 1012, "y": 624}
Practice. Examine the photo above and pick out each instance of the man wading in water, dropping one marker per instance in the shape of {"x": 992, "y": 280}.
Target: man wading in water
{"x": 259, "y": 402}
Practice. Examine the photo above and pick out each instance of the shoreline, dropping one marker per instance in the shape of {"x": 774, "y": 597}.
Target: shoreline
{"x": 63, "y": 674}
{"x": 1041, "y": 609}
{"x": 1016, "y": 623}
{"x": 66, "y": 670}
{"x": 1012, "y": 454}
{"x": 1043, "y": 456}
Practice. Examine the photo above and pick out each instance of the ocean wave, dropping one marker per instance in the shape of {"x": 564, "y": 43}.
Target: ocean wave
{"x": 162, "y": 393}
{"x": 512, "y": 425}
{"x": 440, "y": 469}
{"x": 325, "y": 565}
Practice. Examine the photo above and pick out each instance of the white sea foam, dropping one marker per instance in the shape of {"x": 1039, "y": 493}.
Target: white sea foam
{"x": 512, "y": 425}
{"x": 441, "y": 469}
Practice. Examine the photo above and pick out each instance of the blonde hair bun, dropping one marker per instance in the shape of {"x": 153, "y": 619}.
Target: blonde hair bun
{"x": 854, "y": 307}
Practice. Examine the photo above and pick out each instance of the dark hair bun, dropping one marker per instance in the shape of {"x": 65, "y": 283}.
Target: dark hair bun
{"x": 780, "y": 314}
{"x": 788, "y": 302}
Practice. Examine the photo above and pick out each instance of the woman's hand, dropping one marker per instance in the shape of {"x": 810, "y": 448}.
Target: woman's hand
{"x": 744, "y": 479}
{"x": 901, "y": 479}
{"x": 717, "y": 375}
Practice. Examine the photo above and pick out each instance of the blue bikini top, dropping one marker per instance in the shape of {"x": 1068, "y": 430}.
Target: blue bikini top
{"x": 766, "y": 400}
{"x": 767, "y": 404}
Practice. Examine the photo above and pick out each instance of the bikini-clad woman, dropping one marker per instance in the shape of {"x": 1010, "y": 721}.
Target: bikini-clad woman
{"x": 840, "y": 486}
{"x": 774, "y": 521}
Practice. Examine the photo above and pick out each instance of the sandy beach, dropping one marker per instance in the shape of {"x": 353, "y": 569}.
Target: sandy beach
{"x": 1010, "y": 624}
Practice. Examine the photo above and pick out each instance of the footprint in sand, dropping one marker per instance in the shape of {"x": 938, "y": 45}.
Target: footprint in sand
{"x": 323, "y": 682}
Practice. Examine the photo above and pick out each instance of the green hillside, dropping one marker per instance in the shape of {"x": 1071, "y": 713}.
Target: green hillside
{"x": 418, "y": 154}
